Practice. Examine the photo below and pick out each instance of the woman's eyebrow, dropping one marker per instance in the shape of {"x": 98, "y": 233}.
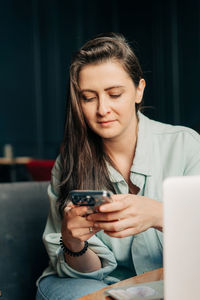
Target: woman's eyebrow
{"x": 87, "y": 90}
{"x": 106, "y": 89}
{"x": 114, "y": 87}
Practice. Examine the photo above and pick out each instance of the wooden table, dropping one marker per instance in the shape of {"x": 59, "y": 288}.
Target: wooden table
{"x": 16, "y": 160}
{"x": 154, "y": 275}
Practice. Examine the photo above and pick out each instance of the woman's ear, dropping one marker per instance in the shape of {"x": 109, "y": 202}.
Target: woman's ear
{"x": 140, "y": 91}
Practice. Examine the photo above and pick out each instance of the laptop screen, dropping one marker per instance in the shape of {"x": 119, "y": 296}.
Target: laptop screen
{"x": 181, "y": 197}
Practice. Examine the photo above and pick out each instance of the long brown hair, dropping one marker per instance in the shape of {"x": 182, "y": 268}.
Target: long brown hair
{"x": 83, "y": 159}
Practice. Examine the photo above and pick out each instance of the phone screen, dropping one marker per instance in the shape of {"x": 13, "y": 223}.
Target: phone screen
{"x": 92, "y": 198}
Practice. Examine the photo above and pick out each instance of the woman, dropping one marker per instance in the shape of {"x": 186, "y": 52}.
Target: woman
{"x": 109, "y": 144}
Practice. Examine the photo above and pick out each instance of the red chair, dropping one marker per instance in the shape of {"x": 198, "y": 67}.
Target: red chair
{"x": 40, "y": 170}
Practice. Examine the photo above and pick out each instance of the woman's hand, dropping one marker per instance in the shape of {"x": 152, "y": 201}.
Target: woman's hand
{"x": 76, "y": 228}
{"x": 128, "y": 215}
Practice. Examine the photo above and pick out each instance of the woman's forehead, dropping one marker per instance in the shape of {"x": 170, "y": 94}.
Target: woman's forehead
{"x": 110, "y": 73}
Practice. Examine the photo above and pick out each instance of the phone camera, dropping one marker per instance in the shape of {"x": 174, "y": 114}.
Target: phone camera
{"x": 90, "y": 201}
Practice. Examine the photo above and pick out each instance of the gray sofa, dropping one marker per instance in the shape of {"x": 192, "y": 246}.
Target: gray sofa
{"x": 23, "y": 213}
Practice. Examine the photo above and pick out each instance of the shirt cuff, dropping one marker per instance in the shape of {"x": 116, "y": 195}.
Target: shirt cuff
{"x": 106, "y": 256}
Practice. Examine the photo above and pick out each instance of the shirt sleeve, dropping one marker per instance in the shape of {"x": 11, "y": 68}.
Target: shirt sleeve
{"x": 51, "y": 237}
{"x": 192, "y": 153}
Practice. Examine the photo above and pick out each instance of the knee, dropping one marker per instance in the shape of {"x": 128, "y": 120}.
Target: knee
{"x": 53, "y": 287}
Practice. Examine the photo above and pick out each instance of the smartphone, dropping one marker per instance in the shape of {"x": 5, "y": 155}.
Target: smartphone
{"x": 92, "y": 198}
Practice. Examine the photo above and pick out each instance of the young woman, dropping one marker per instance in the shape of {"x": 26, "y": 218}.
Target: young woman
{"x": 109, "y": 144}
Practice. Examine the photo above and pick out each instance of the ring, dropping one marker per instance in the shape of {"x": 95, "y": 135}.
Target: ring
{"x": 90, "y": 229}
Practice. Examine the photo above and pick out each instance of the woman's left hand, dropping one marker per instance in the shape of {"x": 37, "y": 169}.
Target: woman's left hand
{"x": 128, "y": 215}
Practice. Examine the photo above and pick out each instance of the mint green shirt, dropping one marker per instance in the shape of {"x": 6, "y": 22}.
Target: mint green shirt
{"x": 162, "y": 151}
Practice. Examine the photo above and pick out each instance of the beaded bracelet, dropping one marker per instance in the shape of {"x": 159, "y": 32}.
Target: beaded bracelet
{"x": 71, "y": 253}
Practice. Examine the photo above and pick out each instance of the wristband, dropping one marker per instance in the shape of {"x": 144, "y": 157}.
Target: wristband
{"x": 71, "y": 253}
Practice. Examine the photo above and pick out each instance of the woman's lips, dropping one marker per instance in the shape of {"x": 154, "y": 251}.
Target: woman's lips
{"x": 106, "y": 123}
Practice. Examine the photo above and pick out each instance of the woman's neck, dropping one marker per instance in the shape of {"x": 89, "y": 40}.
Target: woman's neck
{"x": 121, "y": 151}
{"x": 125, "y": 147}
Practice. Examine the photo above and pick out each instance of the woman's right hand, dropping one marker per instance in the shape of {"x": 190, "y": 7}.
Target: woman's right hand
{"x": 76, "y": 228}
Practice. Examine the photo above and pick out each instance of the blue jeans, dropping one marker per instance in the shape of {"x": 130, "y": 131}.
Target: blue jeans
{"x": 56, "y": 288}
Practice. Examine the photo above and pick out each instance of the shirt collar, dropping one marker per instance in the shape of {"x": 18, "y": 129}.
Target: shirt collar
{"x": 142, "y": 163}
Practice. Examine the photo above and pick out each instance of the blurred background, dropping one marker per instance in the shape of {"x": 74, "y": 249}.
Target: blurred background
{"x": 39, "y": 37}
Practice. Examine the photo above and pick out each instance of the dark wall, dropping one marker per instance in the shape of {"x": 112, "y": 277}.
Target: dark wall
{"x": 38, "y": 38}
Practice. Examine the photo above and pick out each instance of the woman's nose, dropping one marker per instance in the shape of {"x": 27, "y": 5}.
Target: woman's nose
{"x": 103, "y": 106}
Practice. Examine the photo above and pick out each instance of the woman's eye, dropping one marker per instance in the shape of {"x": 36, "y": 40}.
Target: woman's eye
{"x": 88, "y": 99}
{"x": 115, "y": 95}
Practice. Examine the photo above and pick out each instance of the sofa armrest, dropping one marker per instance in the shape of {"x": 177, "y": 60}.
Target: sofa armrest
{"x": 23, "y": 214}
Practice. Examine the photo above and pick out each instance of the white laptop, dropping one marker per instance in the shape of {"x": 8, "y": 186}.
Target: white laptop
{"x": 181, "y": 196}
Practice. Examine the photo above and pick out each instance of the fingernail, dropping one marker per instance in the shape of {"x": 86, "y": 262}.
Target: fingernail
{"x": 89, "y": 218}
{"x": 95, "y": 225}
{"x": 101, "y": 208}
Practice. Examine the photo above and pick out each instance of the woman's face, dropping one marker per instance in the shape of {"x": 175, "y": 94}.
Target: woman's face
{"x": 108, "y": 98}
